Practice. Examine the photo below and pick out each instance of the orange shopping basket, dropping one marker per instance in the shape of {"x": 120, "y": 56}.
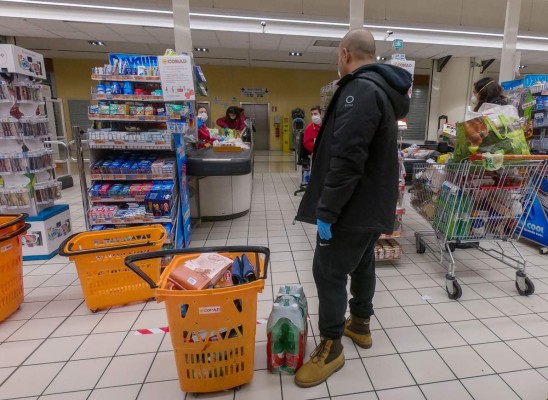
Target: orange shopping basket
{"x": 11, "y": 264}
{"x": 212, "y": 330}
{"x": 99, "y": 258}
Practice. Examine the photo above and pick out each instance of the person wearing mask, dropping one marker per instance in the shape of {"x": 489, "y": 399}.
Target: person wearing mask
{"x": 311, "y": 131}
{"x": 487, "y": 90}
{"x": 204, "y": 138}
{"x": 233, "y": 119}
{"x": 351, "y": 196}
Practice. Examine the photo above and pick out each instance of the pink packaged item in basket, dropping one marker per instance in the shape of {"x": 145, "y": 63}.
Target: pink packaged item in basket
{"x": 212, "y": 265}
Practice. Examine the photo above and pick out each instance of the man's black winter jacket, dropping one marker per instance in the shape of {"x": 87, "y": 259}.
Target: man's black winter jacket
{"x": 354, "y": 178}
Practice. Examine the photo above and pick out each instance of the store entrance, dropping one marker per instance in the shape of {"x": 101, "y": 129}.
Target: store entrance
{"x": 258, "y": 113}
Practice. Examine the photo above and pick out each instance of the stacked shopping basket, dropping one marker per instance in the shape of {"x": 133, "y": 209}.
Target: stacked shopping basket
{"x": 12, "y": 227}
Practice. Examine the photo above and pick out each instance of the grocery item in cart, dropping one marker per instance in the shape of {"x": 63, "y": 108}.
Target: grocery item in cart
{"x": 495, "y": 129}
{"x": 286, "y": 332}
{"x": 204, "y": 271}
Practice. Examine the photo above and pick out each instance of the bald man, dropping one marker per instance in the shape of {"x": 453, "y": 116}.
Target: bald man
{"x": 352, "y": 196}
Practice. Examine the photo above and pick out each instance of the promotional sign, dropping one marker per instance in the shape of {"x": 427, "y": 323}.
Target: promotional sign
{"x": 397, "y": 44}
{"x": 15, "y": 59}
{"x": 177, "y": 78}
{"x": 134, "y": 60}
{"x": 536, "y": 225}
{"x": 183, "y": 234}
{"x": 407, "y": 65}
{"x": 48, "y": 230}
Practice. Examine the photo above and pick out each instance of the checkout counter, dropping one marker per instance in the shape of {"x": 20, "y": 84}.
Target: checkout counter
{"x": 221, "y": 183}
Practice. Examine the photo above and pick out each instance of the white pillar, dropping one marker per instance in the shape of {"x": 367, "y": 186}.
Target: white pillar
{"x": 450, "y": 92}
{"x": 511, "y": 27}
{"x": 357, "y": 10}
{"x": 181, "y": 23}
{"x": 434, "y": 106}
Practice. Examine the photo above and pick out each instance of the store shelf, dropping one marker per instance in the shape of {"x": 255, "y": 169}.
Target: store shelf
{"x": 128, "y": 97}
{"x": 127, "y": 118}
{"x": 131, "y": 177}
{"x": 125, "y": 78}
{"x": 36, "y": 103}
{"x": 145, "y": 220}
{"x": 122, "y": 145}
{"x": 135, "y": 199}
{"x": 394, "y": 235}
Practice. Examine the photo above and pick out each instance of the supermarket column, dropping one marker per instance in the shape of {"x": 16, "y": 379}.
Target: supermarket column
{"x": 181, "y": 24}
{"x": 357, "y": 9}
{"x": 508, "y": 60}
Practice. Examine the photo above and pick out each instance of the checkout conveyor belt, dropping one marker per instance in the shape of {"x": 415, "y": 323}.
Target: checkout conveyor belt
{"x": 206, "y": 162}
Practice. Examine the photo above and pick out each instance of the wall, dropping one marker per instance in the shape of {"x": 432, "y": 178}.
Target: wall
{"x": 450, "y": 92}
{"x": 73, "y": 82}
{"x": 288, "y": 88}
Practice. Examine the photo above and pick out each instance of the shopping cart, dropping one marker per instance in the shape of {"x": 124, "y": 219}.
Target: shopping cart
{"x": 469, "y": 203}
{"x": 212, "y": 330}
{"x": 12, "y": 227}
{"x": 99, "y": 258}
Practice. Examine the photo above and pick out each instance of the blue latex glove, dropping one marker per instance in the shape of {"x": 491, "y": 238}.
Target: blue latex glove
{"x": 324, "y": 230}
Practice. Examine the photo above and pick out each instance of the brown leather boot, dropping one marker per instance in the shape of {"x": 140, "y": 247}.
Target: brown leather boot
{"x": 357, "y": 329}
{"x": 327, "y": 359}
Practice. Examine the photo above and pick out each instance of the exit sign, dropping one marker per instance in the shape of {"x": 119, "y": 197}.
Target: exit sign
{"x": 397, "y": 44}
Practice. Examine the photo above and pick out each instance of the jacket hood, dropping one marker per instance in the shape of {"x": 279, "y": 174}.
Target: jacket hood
{"x": 395, "y": 81}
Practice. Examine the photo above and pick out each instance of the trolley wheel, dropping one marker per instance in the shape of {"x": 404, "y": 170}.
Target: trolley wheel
{"x": 421, "y": 248}
{"x": 451, "y": 247}
{"x": 195, "y": 394}
{"x": 529, "y": 287}
{"x": 456, "y": 293}
{"x": 94, "y": 310}
{"x": 543, "y": 250}
{"x": 237, "y": 388}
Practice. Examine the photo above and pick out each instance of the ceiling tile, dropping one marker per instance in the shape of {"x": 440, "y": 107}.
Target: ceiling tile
{"x": 52, "y": 26}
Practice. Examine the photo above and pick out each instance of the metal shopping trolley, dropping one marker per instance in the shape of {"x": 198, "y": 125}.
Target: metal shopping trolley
{"x": 212, "y": 330}
{"x": 469, "y": 203}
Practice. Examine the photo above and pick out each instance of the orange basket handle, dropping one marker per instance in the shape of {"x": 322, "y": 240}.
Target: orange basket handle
{"x": 18, "y": 232}
{"x": 131, "y": 259}
{"x": 16, "y": 220}
{"x": 65, "y": 249}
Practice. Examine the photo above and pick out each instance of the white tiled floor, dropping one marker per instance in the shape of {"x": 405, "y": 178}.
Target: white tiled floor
{"x": 492, "y": 344}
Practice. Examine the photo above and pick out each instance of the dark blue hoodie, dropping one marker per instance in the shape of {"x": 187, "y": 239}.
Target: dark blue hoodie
{"x": 355, "y": 173}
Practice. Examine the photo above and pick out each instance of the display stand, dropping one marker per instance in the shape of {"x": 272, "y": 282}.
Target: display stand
{"x": 143, "y": 116}
{"x": 526, "y": 95}
{"x": 27, "y": 167}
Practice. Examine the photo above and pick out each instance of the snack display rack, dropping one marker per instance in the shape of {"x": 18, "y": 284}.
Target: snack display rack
{"x": 137, "y": 146}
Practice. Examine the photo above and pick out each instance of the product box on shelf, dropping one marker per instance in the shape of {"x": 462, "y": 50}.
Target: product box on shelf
{"x": 48, "y": 230}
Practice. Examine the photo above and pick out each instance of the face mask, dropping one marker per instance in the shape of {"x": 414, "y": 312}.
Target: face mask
{"x": 474, "y": 100}
{"x": 232, "y": 116}
{"x": 202, "y": 117}
{"x": 339, "y": 72}
{"x": 316, "y": 119}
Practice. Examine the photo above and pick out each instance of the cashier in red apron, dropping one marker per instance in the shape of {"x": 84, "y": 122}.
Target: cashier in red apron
{"x": 204, "y": 138}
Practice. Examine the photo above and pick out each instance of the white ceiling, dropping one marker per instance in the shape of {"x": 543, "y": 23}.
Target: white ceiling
{"x": 56, "y": 32}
